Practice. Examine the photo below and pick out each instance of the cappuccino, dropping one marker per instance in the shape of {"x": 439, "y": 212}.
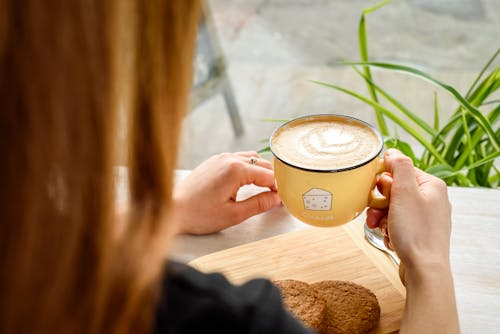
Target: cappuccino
{"x": 326, "y": 143}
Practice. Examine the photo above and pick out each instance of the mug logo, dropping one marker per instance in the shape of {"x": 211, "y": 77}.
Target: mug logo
{"x": 317, "y": 200}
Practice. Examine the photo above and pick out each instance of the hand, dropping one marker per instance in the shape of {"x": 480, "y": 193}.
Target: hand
{"x": 205, "y": 202}
{"x": 417, "y": 224}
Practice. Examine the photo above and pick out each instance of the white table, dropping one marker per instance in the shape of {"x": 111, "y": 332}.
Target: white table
{"x": 475, "y": 250}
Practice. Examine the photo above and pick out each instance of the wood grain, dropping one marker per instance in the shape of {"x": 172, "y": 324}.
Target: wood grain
{"x": 313, "y": 255}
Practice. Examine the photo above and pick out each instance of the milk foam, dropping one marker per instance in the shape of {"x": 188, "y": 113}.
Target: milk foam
{"x": 326, "y": 143}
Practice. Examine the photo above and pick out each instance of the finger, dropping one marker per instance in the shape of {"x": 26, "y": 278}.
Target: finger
{"x": 258, "y": 161}
{"x": 247, "y": 154}
{"x": 402, "y": 170}
{"x": 431, "y": 187}
{"x": 255, "y": 205}
{"x": 259, "y": 176}
{"x": 373, "y": 217}
{"x": 264, "y": 163}
{"x": 383, "y": 226}
{"x": 423, "y": 178}
{"x": 387, "y": 243}
{"x": 384, "y": 184}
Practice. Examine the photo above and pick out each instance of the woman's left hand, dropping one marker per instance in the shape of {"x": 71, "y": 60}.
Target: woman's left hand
{"x": 205, "y": 202}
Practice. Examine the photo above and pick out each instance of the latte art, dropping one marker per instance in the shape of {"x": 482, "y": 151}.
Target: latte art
{"x": 327, "y": 140}
{"x": 329, "y": 143}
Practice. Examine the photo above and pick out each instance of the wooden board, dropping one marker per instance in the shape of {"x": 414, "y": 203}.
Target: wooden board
{"x": 313, "y": 255}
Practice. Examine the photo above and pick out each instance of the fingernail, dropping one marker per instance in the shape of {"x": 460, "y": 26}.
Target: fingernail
{"x": 276, "y": 200}
{"x": 391, "y": 151}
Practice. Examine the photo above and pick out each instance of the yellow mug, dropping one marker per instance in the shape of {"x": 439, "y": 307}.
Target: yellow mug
{"x": 328, "y": 197}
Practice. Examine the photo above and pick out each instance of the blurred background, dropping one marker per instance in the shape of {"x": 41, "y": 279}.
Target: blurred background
{"x": 255, "y": 60}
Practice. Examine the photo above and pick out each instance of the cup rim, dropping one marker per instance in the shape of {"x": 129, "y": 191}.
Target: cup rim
{"x": 336, "y": 170}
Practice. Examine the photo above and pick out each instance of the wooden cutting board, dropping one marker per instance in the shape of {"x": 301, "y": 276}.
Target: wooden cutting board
{"x": 312, "y": 255}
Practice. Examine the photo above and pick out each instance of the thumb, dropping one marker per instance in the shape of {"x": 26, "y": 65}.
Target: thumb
{"x": 402, "y": 170}
{"x": 257, "y": 204}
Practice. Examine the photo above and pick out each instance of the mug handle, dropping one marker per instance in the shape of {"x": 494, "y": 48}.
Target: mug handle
{"x": 375, "y": 200}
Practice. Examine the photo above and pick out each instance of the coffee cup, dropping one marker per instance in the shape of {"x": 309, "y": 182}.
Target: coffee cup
{"x": 326, "y": 167}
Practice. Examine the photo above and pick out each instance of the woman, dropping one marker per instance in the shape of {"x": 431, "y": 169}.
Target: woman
{"x": 66, "y": 67}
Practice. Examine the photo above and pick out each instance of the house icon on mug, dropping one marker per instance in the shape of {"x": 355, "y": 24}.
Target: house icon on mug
{"x": 317, "y": 200}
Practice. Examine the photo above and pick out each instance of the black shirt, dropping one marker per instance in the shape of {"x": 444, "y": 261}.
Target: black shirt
{"x": 193, "y": 302}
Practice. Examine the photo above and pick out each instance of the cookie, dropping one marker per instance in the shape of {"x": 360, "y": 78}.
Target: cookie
{"x": 351, "y": 308}
{"x": 304, "y": 302}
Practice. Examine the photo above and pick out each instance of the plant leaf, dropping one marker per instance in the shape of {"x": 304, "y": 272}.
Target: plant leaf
{"x": 489, "y": 85}
{"x": 443, "y": 172}
{"x": 476, "y": 164}
{"x": 490, "y": 102}
{"x": 264, "y": 150}
{"x": 363, "y": 50}
{"x": 420, "y": 122}
{"x": 468, "y": 142}
{"x": 436, "y": 112}
{"x": 475, "y": 113}
{"x": 494, "y": 180}
{"x": 476, "y": 137}
{"x": 467, "y": 95}
{"x": 375, "y": 7}
{"x": 392, "y": 116}
{"x": 464, "y": 181}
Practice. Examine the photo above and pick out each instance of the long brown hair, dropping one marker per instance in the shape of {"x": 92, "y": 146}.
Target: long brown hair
{"x": 67, "y": 68}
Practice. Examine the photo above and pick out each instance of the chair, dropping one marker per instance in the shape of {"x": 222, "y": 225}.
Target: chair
{"x": 210, "y": 76}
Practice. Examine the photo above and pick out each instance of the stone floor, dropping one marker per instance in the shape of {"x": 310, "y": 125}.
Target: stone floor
{"x": 274, "y": 47}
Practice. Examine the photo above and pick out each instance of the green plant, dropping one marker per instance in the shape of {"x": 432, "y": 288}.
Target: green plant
{"x": 463, "y": 151}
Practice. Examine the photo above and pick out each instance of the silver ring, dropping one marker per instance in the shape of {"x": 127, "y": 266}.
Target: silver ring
{"x": 253, "y": 160}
